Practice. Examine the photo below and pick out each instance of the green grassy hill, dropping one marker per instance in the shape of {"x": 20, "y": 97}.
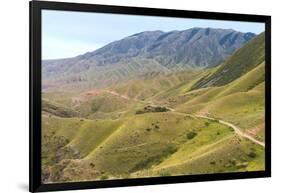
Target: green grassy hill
{"x": 150, "y": 144}
{"x": 57, "y": 109}
{"x": 243, "y": 60}
{"x": 104, "y": 105}
{"x": 240, "y": 102}
{"x": 152, "y": 84}
{"x": 100, "y": 134}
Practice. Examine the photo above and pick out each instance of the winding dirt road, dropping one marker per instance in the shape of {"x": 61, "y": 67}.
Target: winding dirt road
{"x": 236, "y": 129}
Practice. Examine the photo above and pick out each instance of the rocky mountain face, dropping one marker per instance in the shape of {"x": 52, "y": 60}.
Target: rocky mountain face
{"x": 145, "y": 52}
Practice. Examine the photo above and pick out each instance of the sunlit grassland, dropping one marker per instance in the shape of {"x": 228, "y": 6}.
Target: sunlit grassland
{"x": 113, "y": 132}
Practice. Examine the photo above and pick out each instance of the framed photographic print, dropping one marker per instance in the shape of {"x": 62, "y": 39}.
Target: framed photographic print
{"x": 125, "y": 96}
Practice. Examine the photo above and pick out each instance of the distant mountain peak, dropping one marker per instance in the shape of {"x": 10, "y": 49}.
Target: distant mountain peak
{"x": 151, "y": 50}
{"x": 146, "y": 33}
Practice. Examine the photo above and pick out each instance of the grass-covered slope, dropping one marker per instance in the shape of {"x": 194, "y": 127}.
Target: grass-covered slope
{"x": 137, "y": 143}
{"x": 151, "y": 84}
{"x": 243, "y": 60}
{"x": 64, "y": 139}
{"x": 230, "y": 154}
{"x": 240, "y": 102}
{"x": 143, "y": 145}
{"x": 57, "y": 109}
{"x": 239, "y": 99}
{"x": 158, "y": 124}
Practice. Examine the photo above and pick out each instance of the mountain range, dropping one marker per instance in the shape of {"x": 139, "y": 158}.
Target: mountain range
{"x": 143, "y": 53}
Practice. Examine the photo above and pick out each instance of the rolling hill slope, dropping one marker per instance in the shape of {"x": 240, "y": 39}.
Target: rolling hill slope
{"x": 243, "y": 60}
{"x": 240, "y": 101}
{"x": 98, "y": 134}
{"x": 150, "y": 144}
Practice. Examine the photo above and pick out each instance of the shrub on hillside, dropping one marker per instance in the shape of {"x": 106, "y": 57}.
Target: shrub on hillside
{"x": 152, "y": 109}
{"x": 252, "y": 154}
{"x": 191, "y": 135}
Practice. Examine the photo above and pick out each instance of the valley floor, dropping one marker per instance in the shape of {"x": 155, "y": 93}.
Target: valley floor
{"x": 112, "y": 134}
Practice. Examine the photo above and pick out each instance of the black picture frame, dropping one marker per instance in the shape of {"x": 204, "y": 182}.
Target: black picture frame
{"x": 35, "y": 184}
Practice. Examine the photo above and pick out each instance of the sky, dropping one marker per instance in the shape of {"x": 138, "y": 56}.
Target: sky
{"x": 68, "y": 33}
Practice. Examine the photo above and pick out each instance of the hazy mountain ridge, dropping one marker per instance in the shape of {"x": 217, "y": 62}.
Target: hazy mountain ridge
{"x": 173, "y": 47}
{"x": 145, "y": 52}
